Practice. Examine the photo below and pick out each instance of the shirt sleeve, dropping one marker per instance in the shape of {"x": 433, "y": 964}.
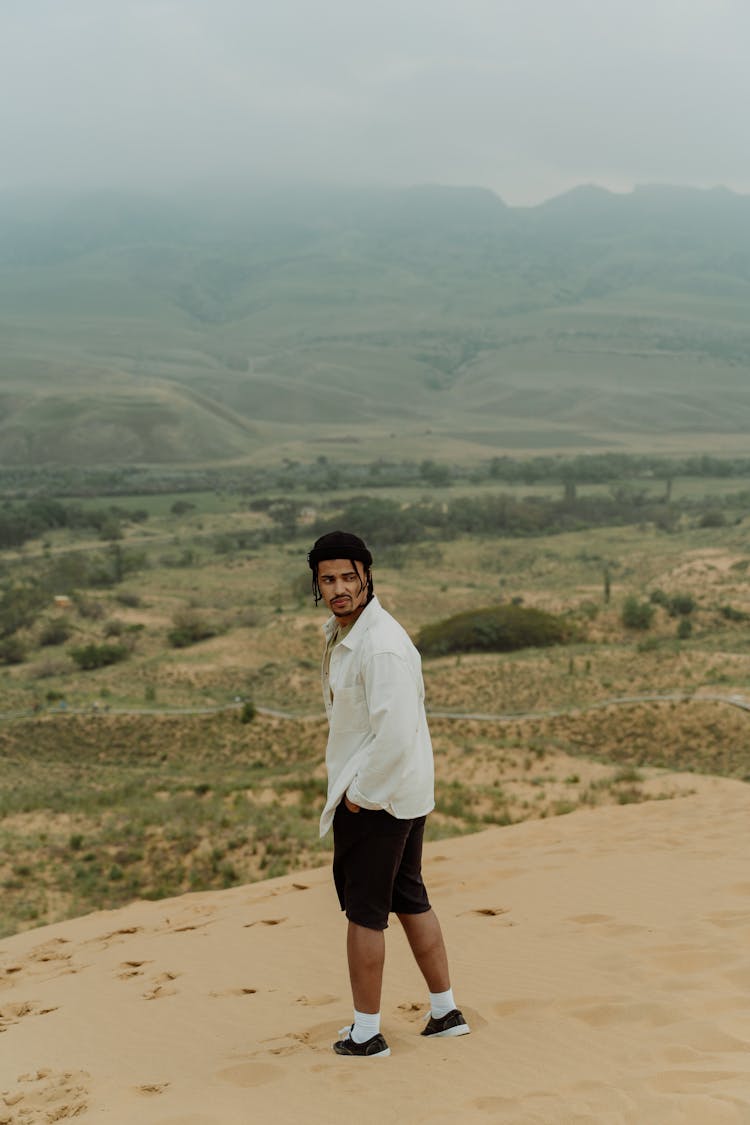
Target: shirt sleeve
{"x": 393, "y": 704}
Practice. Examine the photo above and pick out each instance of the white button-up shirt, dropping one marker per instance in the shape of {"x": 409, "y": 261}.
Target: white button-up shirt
{"x": 379, "y": 751}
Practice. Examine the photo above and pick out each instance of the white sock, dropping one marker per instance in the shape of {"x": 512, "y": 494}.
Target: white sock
{"x": 366, "y": 1024}
{"x": 441, "y": 1003}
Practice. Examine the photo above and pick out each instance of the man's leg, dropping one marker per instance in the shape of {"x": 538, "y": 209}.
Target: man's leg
{"x": 426, "y": 940}
{"x": 365, "y": 950}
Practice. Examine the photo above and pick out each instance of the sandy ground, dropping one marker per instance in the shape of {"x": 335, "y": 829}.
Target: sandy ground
{"x": 602, "y": 958}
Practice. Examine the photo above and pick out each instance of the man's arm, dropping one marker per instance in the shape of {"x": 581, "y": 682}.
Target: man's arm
{"x": 393, "y": 704}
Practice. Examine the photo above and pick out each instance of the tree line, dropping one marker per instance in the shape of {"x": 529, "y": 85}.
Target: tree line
{"x": 30, "y": 519}
{"x": 323, "y": 474}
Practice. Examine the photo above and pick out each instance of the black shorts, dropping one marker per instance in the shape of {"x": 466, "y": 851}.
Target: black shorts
{"x": 377, "y": 865}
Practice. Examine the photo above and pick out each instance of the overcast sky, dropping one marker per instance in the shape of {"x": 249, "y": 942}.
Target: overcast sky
{"x": 527, "y": 97}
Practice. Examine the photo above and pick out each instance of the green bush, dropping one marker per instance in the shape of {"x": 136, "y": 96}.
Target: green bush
{"x": 681, "y": 605}
{"x": 678, "y": 605}
{"x": 248, "y": 712}
{"x": 93, "y": 656}
{"x": 55, "y": 632}
{"x": 685, "y": 628}
{"x": 637, "y": 615}
{"x": 12, "y": 650}
{"x": 189, "y": 628}
{"x": 503, "y": 628}
{"x": 713, "y": 518}
{"x": 731, "y": 614}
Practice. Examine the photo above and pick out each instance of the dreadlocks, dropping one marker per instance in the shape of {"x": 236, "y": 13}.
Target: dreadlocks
{"x": 339, "y": 545}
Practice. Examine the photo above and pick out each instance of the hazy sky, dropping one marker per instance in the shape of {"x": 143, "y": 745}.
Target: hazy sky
{"x": 528, "y": 97}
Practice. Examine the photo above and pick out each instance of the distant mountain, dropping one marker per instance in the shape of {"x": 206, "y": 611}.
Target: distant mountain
{"x": 219, "y": 328}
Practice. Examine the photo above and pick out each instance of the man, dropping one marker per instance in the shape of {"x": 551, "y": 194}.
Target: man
{"x": 380, "y": 790}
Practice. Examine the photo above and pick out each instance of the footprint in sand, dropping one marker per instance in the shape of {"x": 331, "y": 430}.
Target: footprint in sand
{"x": 233, "y": 992}
{"x": 13, "y": 1013}
{"x": 489, "y": 911}
{"x": 264, "y": 922}
{"x": 197, "y": 918}
{"x": 160, "y": 987}
{"x": 610, "y": 927}
{"x": 288, "y": 1044}
{"x": 150, "y": 1088}
{"x": 44, "y": 961}
{"x": 413, "y": 1011}
{"x": 317, "y": 1038}
{"x": 131, "y": 969}
{"x": 115, "y": 936}
{"x": 46, "y": 1095}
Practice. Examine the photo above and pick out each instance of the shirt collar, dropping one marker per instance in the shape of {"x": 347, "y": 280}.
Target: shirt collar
{"x": 355, "y": 634}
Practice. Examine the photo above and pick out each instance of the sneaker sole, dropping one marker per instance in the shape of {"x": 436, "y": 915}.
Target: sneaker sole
{"x": 450, "y": 1032}
{"x": 379, "y": 1054}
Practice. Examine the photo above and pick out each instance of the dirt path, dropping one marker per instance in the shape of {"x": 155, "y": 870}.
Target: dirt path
{"x": 733, "y": 700}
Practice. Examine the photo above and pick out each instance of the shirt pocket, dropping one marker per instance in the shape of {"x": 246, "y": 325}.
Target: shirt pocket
{"x": 350, "y": 710}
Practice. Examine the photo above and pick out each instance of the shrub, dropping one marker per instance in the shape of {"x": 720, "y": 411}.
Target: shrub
{"x": 637, "y": 615}
{"x": 88, "y": 607}
{"x": 55, "y": 632}
{"x": 93, "y": 656}
{"x": 189, "y": 628}
{"x": 731, "y": 614}
{"x": 248, "y": 712}
{"x": 12, "y": 650}
{"x": 128, "y": 598}
{"x": 681, "y": 605}
{"x": 502, "y": 628}
{"x": 712, "y": 518}
{"x": 678, "y": 605}
{"x": 685, "y": 628}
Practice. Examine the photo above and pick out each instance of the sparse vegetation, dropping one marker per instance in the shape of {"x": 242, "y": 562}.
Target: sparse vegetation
{"x": 162, "y": 803}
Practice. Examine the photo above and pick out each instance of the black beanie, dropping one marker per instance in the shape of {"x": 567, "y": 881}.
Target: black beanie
{"x": 339, "y": 545}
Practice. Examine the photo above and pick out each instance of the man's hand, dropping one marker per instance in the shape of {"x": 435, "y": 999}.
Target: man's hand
{"x": 351, "y": 807}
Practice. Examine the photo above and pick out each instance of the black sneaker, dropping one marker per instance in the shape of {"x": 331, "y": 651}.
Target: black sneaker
{"x": 372, "y": 1048}
{"x": 451, "y": 1024}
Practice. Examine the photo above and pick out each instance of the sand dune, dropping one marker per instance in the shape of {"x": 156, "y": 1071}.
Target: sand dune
{"x": 603, "y": 959}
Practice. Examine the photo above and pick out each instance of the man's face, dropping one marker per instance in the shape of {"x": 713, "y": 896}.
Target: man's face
{"x": 343, "y": 584}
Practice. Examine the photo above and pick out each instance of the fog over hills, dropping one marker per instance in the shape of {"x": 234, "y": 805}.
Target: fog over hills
{"x": 439, "y": 320}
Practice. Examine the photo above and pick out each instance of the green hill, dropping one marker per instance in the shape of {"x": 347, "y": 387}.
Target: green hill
{"x": 433, "y": 320}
